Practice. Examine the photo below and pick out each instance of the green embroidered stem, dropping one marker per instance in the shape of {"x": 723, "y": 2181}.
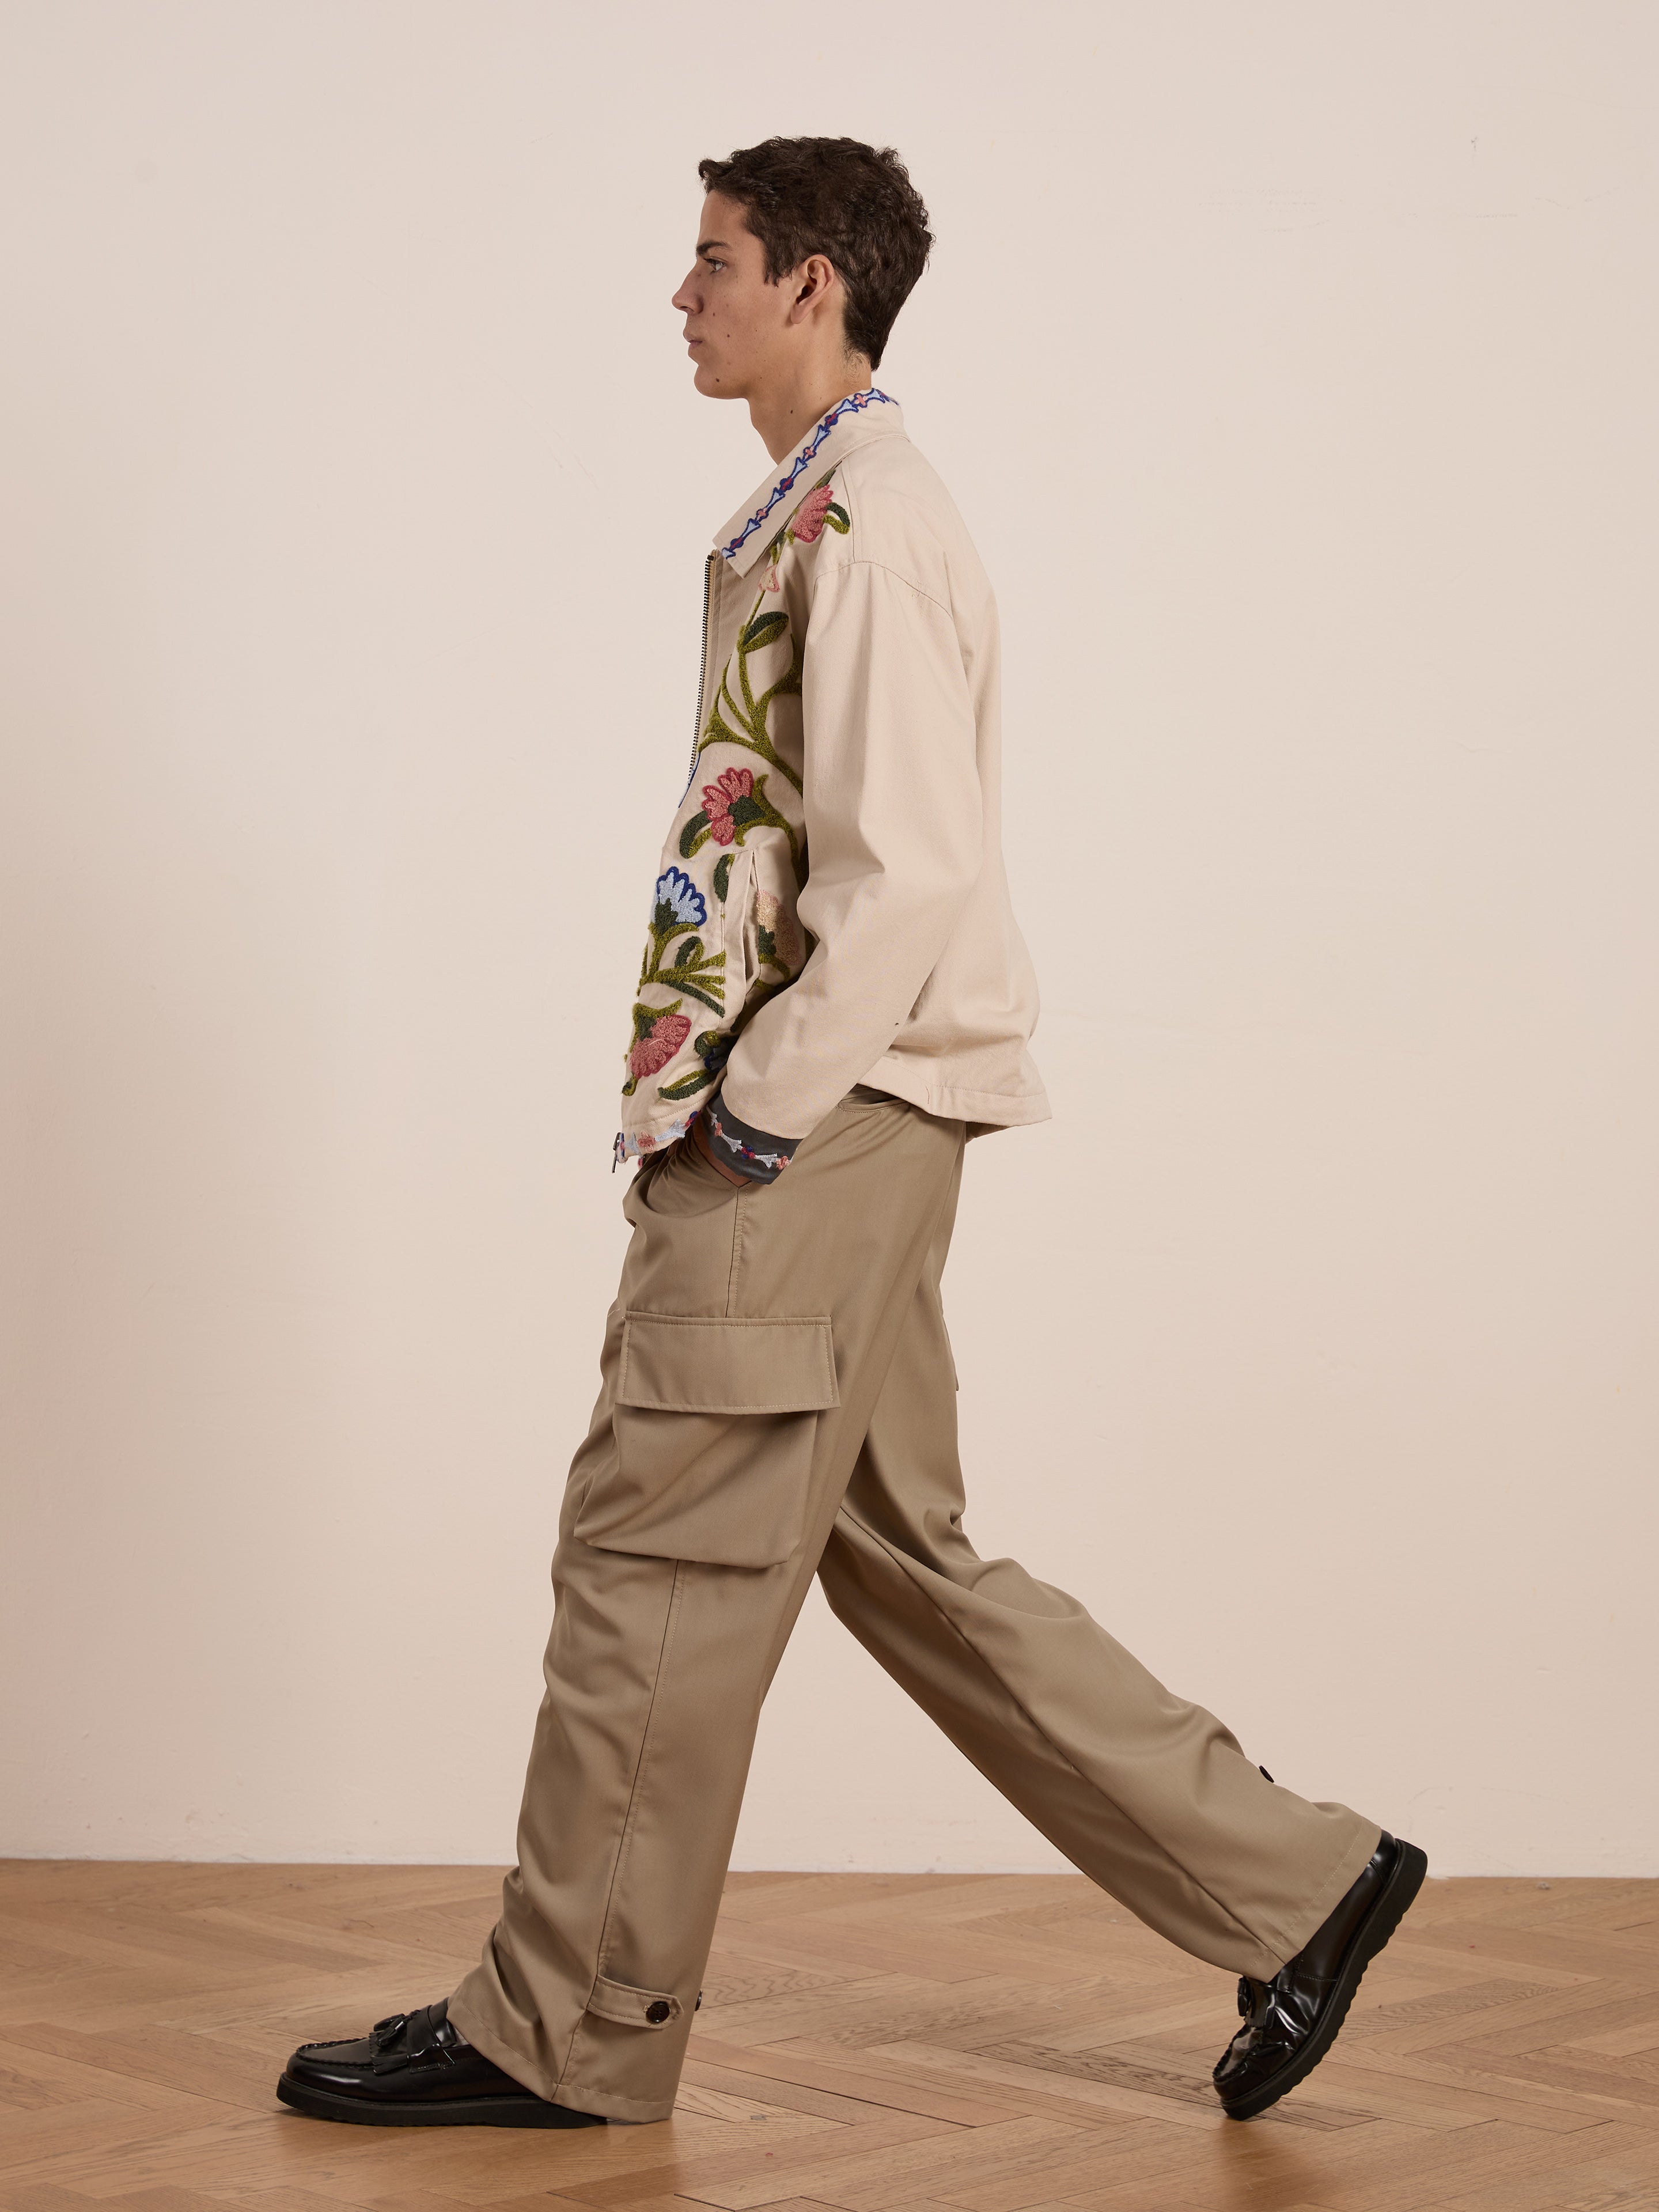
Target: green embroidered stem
{"x": 751, "y": 716}
{"x": 690, "y": 971}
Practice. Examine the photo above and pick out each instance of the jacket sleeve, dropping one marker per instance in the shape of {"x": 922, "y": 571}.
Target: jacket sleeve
{"x": 894, "y": 843}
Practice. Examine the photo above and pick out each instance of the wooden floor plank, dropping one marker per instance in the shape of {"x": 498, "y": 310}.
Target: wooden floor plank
{"x": 783, "y": 2063}
{"x": 934, "y": 2043}
{"x": 898, "y": 2066}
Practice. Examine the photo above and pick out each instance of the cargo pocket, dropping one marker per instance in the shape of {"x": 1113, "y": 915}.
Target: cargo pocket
{"x": 713, "y": 1427}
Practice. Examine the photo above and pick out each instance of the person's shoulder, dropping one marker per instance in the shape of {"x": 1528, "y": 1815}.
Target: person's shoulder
{"x": 900, "y": 517}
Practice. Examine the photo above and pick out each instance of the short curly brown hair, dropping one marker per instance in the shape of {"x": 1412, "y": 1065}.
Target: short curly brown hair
{"x": 852, "y": 202}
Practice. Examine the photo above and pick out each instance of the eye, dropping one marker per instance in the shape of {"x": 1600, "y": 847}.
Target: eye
{"x": 708, "y": 262}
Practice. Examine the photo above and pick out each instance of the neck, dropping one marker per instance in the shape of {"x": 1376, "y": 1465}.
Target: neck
{"x": 784, "y": 417}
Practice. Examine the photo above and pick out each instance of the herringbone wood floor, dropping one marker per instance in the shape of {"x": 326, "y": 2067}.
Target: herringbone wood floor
{"x": 945, "y": 2043}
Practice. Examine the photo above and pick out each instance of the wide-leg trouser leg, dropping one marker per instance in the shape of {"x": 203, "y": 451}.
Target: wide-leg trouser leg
{"x": 658, "y": 1663}
{"x": 1150, "y": 1795}
{"x": 669, "y": 1624}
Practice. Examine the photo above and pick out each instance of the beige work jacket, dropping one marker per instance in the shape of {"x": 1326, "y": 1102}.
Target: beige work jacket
{"x": 831, "y": 907}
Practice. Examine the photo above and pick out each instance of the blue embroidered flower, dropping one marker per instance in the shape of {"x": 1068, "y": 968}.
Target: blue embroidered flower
{"x": 677, "y": 902}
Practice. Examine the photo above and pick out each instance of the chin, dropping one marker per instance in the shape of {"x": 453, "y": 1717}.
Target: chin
{"x": 708, "y": 380}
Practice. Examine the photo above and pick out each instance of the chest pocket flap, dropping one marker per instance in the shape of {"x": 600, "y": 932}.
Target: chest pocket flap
{"x": 713, "y": 1427}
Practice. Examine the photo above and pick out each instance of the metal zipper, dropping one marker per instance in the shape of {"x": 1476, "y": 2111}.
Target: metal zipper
{"x": 702, "y": 671}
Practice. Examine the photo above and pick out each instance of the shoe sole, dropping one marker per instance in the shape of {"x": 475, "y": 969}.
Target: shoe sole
{"x": 433, "y": 2112}
{"x": 1372, "y": 1932}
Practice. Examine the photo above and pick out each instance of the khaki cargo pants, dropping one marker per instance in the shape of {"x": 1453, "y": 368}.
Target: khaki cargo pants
{"x": 778, "y": 1400}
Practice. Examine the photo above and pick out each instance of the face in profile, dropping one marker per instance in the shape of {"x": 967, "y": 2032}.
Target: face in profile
{"x": 734, "y": 319}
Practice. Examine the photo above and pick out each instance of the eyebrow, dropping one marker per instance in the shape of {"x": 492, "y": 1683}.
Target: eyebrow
{"x": 708, "y": 245}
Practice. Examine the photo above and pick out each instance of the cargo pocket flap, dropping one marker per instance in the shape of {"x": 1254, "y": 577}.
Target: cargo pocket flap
{"x": 693, "y": 1364}
{"x": 713, "y": 1429}
{"x": 631, "y": 2008}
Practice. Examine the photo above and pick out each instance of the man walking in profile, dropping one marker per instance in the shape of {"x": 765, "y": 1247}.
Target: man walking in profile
{"x": 834, "y": 997}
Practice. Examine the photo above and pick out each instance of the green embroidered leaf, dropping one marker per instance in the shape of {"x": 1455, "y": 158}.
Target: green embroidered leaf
{"x": 692, "y": 836}
{"x": 692, "y": 951}
{"x": 768, "y": 946}
{"x": 711, "y": 992}
{"x": 745, "y": 810}
{"x": 673, "y": 978}
{"x": 722, "y": 876}
{"x": 630, "y": 1086}
{"x": 687, "y": 1084}
{"x": 837, "y": 518}
{"x": 766, "y": 631}
{"x": 643, "y": 1018}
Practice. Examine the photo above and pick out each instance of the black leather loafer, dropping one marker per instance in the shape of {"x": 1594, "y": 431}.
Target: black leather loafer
{"x": 414, "y": 2070}
{"x": 1291, "y": 2022}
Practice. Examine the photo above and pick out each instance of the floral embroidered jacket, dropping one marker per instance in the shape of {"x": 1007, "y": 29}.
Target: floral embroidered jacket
{"x": 831, "y": 907}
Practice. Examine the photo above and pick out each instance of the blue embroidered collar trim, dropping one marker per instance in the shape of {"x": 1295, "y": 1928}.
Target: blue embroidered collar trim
{"x": 854, "y": 404}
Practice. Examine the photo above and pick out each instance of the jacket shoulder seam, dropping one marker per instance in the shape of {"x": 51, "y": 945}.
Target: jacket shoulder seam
{"x": 863, "y": 561}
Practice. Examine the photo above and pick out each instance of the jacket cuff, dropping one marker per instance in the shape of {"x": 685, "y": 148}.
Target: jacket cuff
{"x": 756, "y": 1154}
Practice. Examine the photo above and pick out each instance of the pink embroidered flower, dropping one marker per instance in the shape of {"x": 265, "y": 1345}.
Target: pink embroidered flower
{"x": 659, "y": 1045}
{"x": 718, "y": 799}
{"x": 808, "y": 524}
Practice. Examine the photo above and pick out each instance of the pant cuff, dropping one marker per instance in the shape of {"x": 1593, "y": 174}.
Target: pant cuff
{"x": 1291, "y": 1938}
{"x": 483, "y": 2035}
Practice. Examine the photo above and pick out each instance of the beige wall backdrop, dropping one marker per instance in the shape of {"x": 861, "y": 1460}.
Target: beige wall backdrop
{"x": 1294, "y": 366}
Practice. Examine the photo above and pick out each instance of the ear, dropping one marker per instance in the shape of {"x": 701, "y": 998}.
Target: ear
{"x": 813, "y": 287}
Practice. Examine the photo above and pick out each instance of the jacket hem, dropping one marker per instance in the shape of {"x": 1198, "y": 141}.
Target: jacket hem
{"x": 1000, "y": 1109}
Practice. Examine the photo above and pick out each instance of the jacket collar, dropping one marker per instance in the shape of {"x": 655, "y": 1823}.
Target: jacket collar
{"x": 744, "y": 535}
